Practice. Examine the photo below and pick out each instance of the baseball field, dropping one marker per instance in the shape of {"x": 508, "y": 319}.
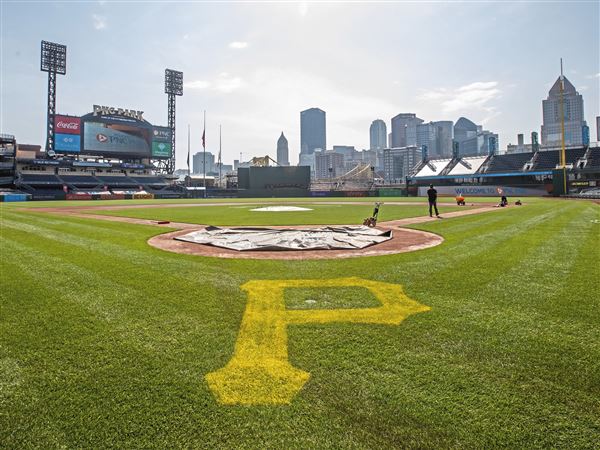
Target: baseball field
{"x": 490, "y": 338}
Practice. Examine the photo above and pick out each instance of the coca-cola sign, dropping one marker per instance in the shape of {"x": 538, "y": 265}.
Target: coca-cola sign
{"x": 67, "y": 125}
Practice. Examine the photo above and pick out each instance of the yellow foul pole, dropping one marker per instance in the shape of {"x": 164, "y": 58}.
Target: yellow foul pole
{"x": 563, "y": 157}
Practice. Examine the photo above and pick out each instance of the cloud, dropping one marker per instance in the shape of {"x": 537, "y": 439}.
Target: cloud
{"x": 596, "y": 75}
{"x": 303, "y": 8}
{"x": 196, "y": 84}
{"x": 99, "y": 21}
{"x": 226, "y": 83}
{"x": 223, "y": 83}
{"x": 474, "y": 96}
{"x": 238, "y": 45}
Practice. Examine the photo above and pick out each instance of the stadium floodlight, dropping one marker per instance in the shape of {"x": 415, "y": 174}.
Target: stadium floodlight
{"x": 54, "y": 58}
{"x": 54, "y": 61}
{"x": 173, "y": 82}
{"x": 173, "y": 88}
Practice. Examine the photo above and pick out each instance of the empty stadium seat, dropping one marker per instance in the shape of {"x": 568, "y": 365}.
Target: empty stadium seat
{"x": 593, "y": 158}
{"x": 83, "y": 180}
{"x": 40, "y": 179}
{"x": 508, "y": 163}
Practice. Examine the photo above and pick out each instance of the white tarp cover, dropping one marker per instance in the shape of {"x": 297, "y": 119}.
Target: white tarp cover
{"x": 281, "y": 208}
{"x": 324, "y": 238}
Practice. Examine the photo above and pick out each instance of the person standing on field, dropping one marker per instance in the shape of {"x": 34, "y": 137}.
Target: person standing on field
{"x": 432, "y": 196}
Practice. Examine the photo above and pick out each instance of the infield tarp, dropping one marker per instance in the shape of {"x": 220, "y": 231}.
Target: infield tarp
{"x": 323, "y": 238}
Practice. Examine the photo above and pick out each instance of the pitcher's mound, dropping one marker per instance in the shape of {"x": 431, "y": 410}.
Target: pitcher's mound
{"x": 402, "y": 240}
{"x": 322, "y": 238}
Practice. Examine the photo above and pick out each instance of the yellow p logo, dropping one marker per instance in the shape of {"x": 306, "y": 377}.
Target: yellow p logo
{"x": 259, "y": 372}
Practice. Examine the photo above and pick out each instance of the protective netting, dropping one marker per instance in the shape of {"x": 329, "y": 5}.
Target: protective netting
{"x": 323, "y": 238}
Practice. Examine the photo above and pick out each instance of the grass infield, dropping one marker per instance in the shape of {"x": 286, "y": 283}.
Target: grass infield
{"x": 237, "y": 215}
{"x": 105, "y": 341}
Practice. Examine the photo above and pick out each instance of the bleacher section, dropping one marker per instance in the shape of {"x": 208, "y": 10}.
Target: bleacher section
{"x": 573, "y": 154}
{"x": 546, "y": 160}
{"x": 150, "y": 181}
{"x": 40, "y": 179}
{"x": 593, "y": 158}
{"x": 508, "y": 163}
{"x": 80, "y": 180}
{"x": 117, "y": 180}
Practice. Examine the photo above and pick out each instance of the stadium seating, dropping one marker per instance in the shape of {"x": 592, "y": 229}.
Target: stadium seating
{"x": 117, "y": 181}
{"x": 150, "y": 181}
{"x": 593, "y": 158}
{"x": 40, "y": 179}
{"x": 508, "y": 163}
{"x": 81, "y": 180}
{"x": 573, "y": 154}
{"x": 546, "y": 160}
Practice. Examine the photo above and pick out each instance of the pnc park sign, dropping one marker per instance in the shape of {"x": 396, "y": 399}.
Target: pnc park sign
{"x": 111, "y": 111}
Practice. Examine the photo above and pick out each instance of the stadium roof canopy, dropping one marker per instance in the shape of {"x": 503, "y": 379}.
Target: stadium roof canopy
{"x": 433, "y": 168}
{"x": 468, "y": 166}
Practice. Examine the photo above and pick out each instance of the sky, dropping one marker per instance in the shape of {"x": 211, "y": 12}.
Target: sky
{"x": 254, "y": 66}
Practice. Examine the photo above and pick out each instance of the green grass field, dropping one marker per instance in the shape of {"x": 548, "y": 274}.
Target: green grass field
{"x": 243, "y": 215}
{"x": 105, "y": 341}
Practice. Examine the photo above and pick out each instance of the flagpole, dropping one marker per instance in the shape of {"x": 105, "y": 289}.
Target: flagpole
{"x": 188, "y": 158}
{"x": 204, "y": 158}
{"x": 220, "y": 162}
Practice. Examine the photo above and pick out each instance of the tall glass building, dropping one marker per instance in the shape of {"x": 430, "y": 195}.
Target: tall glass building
{"x": 378, "y": 135}
{"x": 404, "y": 130}
{"x": 312, "y": 131}
{"x": 283, "y": 153}
{"x": 573, "y": 114}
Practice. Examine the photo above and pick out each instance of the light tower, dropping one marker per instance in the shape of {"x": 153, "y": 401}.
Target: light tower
{"x": 173, "y": 87}
{"x": 54, "y": 61}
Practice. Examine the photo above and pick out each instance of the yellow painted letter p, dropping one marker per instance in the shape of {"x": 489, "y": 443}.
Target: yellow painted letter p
{"x": 259, "y": 372}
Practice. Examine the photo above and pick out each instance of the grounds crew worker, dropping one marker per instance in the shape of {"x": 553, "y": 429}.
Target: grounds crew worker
{"x": 432, "y": 195}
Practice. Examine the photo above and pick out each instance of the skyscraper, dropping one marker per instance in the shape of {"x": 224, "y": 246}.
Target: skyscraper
{"x": 573, "y": 115}
{"x": 198, "y": 162}
{"x": 378, "y": 135}
{"x": 427, "y": 135}
{"x": 473, "y": 140}
{"x": 283, "y": 153}
{"x": 404, "y": 130}
{"x": 312, "y": 130}
{"x": 444, "y": 137}
{"x": 437, "y": 136}
{"x": 464, "y": 130}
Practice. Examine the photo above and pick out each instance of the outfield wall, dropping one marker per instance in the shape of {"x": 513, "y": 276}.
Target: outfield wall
{"x": 486, "y": 191}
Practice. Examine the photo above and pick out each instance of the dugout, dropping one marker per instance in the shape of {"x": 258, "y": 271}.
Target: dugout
{"x": 279, "y": 181}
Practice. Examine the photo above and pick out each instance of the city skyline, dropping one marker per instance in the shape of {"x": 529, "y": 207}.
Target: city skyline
{"x": 229, "y": 70}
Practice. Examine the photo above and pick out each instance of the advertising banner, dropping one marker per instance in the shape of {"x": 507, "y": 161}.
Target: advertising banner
{"x": 485, "y": 191}
{"x": 67, "y": 142}
{"x": 67, "y": 125}
{"x": 161, "y": 149}
{"x": 45, "y": 162}
{"x": 161, "y": 142}
{"x": 82, "y": 196}
{"x": 115, "y": 138}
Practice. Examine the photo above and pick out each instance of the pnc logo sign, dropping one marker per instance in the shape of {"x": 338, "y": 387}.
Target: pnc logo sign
{"x": 259, "y": 372}
{"x": 100, "y": 110}
{"x": 101, "y": 137}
